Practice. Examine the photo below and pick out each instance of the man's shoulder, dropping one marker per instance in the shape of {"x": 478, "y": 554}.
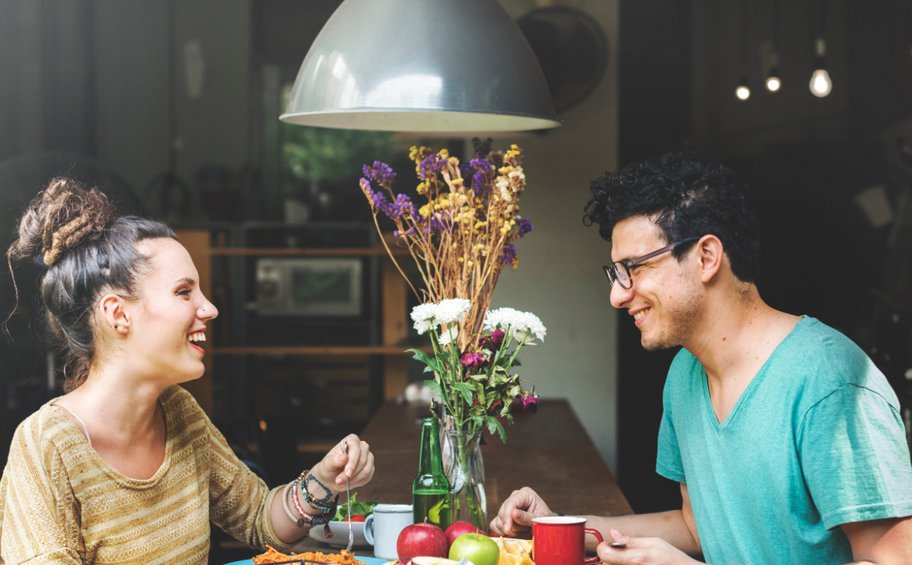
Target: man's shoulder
{"x": 824, "y": 360}
{"x": 826, "y": 348}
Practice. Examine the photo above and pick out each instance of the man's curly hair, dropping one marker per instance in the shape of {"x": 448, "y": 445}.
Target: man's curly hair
{"x": 685, "y": 196}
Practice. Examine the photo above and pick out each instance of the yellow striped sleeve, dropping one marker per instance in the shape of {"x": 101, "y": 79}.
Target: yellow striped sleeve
{"x": 38, "y": 516}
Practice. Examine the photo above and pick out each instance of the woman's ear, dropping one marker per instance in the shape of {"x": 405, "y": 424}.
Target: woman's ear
{"x": 113, "y": 314}
{"x": 711, "y": 255}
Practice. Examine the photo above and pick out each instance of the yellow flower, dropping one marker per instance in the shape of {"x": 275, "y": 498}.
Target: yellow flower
{"x": 425, "y": 210}
{"x": 422, "y": 188}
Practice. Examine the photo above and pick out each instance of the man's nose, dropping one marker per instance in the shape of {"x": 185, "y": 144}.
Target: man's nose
{"x": 620, "y": 296}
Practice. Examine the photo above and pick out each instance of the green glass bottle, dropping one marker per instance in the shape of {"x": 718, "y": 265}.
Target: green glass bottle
{"x": 431, "y": 489}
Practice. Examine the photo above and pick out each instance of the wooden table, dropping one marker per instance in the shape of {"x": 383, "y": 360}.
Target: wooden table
{"x": 549, "y": 451}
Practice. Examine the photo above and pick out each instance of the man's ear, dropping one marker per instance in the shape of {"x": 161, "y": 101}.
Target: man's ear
{"x": 711, "y": 255}
{"x": 112, "y": 313}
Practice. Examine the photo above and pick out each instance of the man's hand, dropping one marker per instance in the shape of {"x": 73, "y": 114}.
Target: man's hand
{"x": 516, "y": 513}
{"x": 640, "y": 551}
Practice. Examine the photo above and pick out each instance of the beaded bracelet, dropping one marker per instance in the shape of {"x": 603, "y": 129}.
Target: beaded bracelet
{"x": 301, "y": 521}
{"x": 304, "y": 516}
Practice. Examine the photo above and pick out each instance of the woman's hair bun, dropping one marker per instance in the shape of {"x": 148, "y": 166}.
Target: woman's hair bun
{"x": 60, "y": 218}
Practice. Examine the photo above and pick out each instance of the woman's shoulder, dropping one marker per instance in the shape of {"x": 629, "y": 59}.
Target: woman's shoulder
{"x": 47, "y": 427}
{"x": 176, "y": 400}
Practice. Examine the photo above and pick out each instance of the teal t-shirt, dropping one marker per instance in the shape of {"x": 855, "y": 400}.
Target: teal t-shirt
{"x": 816, "y": 440}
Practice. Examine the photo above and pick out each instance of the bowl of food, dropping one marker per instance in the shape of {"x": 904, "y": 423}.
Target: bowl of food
{"x": 335, "y": 533}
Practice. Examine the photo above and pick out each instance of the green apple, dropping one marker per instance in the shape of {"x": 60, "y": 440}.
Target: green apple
{"x": 477, "y": 548}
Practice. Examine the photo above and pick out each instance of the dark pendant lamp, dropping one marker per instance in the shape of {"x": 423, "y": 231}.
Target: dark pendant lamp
{"x": 421, "y": 66}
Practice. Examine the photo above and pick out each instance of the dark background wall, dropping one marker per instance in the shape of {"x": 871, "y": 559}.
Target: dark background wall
{"x": 805, "y": 158}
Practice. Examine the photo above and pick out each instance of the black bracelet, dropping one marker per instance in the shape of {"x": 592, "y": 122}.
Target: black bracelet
{"x": 326, "y": 504}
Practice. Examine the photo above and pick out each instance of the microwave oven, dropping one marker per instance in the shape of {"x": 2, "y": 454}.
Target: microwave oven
{"x": 309, "y": 286}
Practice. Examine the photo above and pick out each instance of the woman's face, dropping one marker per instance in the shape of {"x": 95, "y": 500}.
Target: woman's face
{"x": 168, "y": 319}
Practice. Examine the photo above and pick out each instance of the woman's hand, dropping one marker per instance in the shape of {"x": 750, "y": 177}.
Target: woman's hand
{"x": 356, "y": 462}
{"x": 516, "y": 513}
{"x": 640, "y": 551}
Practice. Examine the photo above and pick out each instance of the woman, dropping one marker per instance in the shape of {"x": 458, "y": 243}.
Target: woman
{"x": 125, "y": 466}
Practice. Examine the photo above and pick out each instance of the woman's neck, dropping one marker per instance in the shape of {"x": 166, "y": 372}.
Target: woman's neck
{"x": 122, "y": 408}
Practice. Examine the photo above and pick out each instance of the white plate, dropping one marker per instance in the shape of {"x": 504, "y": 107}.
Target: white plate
{"x": 339, "y": 531}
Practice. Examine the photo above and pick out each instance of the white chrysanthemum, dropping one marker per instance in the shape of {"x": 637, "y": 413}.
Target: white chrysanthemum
{"x": 425, "y": 317}
{"x": 450, "y": 310}
{"x": 523, "y": 326}
{"x": 449, "y": 335}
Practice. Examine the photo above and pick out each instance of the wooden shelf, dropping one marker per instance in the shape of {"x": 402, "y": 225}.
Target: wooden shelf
{"x": 313, "y": 350}
{"x": 303, "y": 251}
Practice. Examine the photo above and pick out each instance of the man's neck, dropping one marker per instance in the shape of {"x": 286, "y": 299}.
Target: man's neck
{"x": 737, "y": 334}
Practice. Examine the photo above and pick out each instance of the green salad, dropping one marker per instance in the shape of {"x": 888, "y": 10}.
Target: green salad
{"x": 359, "y": 510}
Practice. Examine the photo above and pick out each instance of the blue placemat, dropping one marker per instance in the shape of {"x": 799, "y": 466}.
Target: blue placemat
{"x": 366, "y": 560}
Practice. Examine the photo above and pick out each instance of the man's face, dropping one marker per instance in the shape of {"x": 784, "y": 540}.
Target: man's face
{"x": 665, "y": 297}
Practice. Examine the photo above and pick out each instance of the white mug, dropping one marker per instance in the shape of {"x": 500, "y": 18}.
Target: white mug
{"x": 381, "y": 529}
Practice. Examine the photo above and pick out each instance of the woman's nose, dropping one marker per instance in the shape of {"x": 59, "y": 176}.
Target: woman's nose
{"x": 207, "y": 311}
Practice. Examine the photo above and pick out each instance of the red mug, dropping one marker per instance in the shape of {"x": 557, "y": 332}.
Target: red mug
{"x": 561, "y": 540}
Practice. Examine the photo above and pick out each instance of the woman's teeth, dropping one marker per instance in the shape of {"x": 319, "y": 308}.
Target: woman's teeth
{"x": 197, "y": 336}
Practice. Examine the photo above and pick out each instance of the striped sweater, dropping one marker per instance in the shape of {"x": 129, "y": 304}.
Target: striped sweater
{"x": 61, "y": 503}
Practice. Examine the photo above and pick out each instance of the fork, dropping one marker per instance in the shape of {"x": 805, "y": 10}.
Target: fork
{"x": 351, "y": 535}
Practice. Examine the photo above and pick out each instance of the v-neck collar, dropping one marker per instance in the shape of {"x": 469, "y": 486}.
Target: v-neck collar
{"x": 754, "y": 383}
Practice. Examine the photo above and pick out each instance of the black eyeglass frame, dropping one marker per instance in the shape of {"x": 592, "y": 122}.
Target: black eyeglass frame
{"x": 630, "y": 264}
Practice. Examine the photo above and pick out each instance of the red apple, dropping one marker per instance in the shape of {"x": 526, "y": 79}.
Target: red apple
{"x": 456, "y": 529}
{"x": 421, "y": 539}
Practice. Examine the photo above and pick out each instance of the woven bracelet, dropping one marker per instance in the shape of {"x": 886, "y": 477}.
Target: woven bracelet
{"x": 325, "y": 504}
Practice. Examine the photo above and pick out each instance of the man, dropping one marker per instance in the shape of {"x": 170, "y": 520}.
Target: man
{"x": 786, "y": 440}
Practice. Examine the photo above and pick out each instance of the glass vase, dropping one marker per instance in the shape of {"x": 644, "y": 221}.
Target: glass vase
{"x": 464, "y": 468}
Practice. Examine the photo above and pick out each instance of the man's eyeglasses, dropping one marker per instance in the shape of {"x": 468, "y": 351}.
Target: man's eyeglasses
{"x": 619, "y": 271}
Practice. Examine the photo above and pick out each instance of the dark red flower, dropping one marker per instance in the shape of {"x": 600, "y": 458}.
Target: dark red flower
{"x": 495, "y": 408}
{"x": 497, "y": 337}
{"x": 473, "y": 361}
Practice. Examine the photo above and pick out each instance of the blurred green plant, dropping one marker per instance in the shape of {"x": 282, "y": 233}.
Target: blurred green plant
{"x": 320, "y": 154}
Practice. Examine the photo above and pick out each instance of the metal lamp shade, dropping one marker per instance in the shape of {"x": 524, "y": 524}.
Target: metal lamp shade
{"x": 421, "y": 66}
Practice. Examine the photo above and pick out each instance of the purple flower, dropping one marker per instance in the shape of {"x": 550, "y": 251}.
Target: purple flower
{"x": 431, "y": 165}
{"x": 380, "y": 202}
{"x": 379, "y": 172}
{"x": 473, "y": 361}
{"x": 508, "y": 255}
{"x": 401, "y": 207}
{"x": 439, "y": 222}
{"x": 481, "y": 167}
{"x": 525, "y": 226}
{"x": 397, "y": 233}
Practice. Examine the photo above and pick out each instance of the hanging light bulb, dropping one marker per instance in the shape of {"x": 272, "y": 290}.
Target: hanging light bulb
{"x": 773, "y": 81}
{"x": 743, "y": 91}
{"x": 770, "y": 52}
{"x": 820, "y": 83}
